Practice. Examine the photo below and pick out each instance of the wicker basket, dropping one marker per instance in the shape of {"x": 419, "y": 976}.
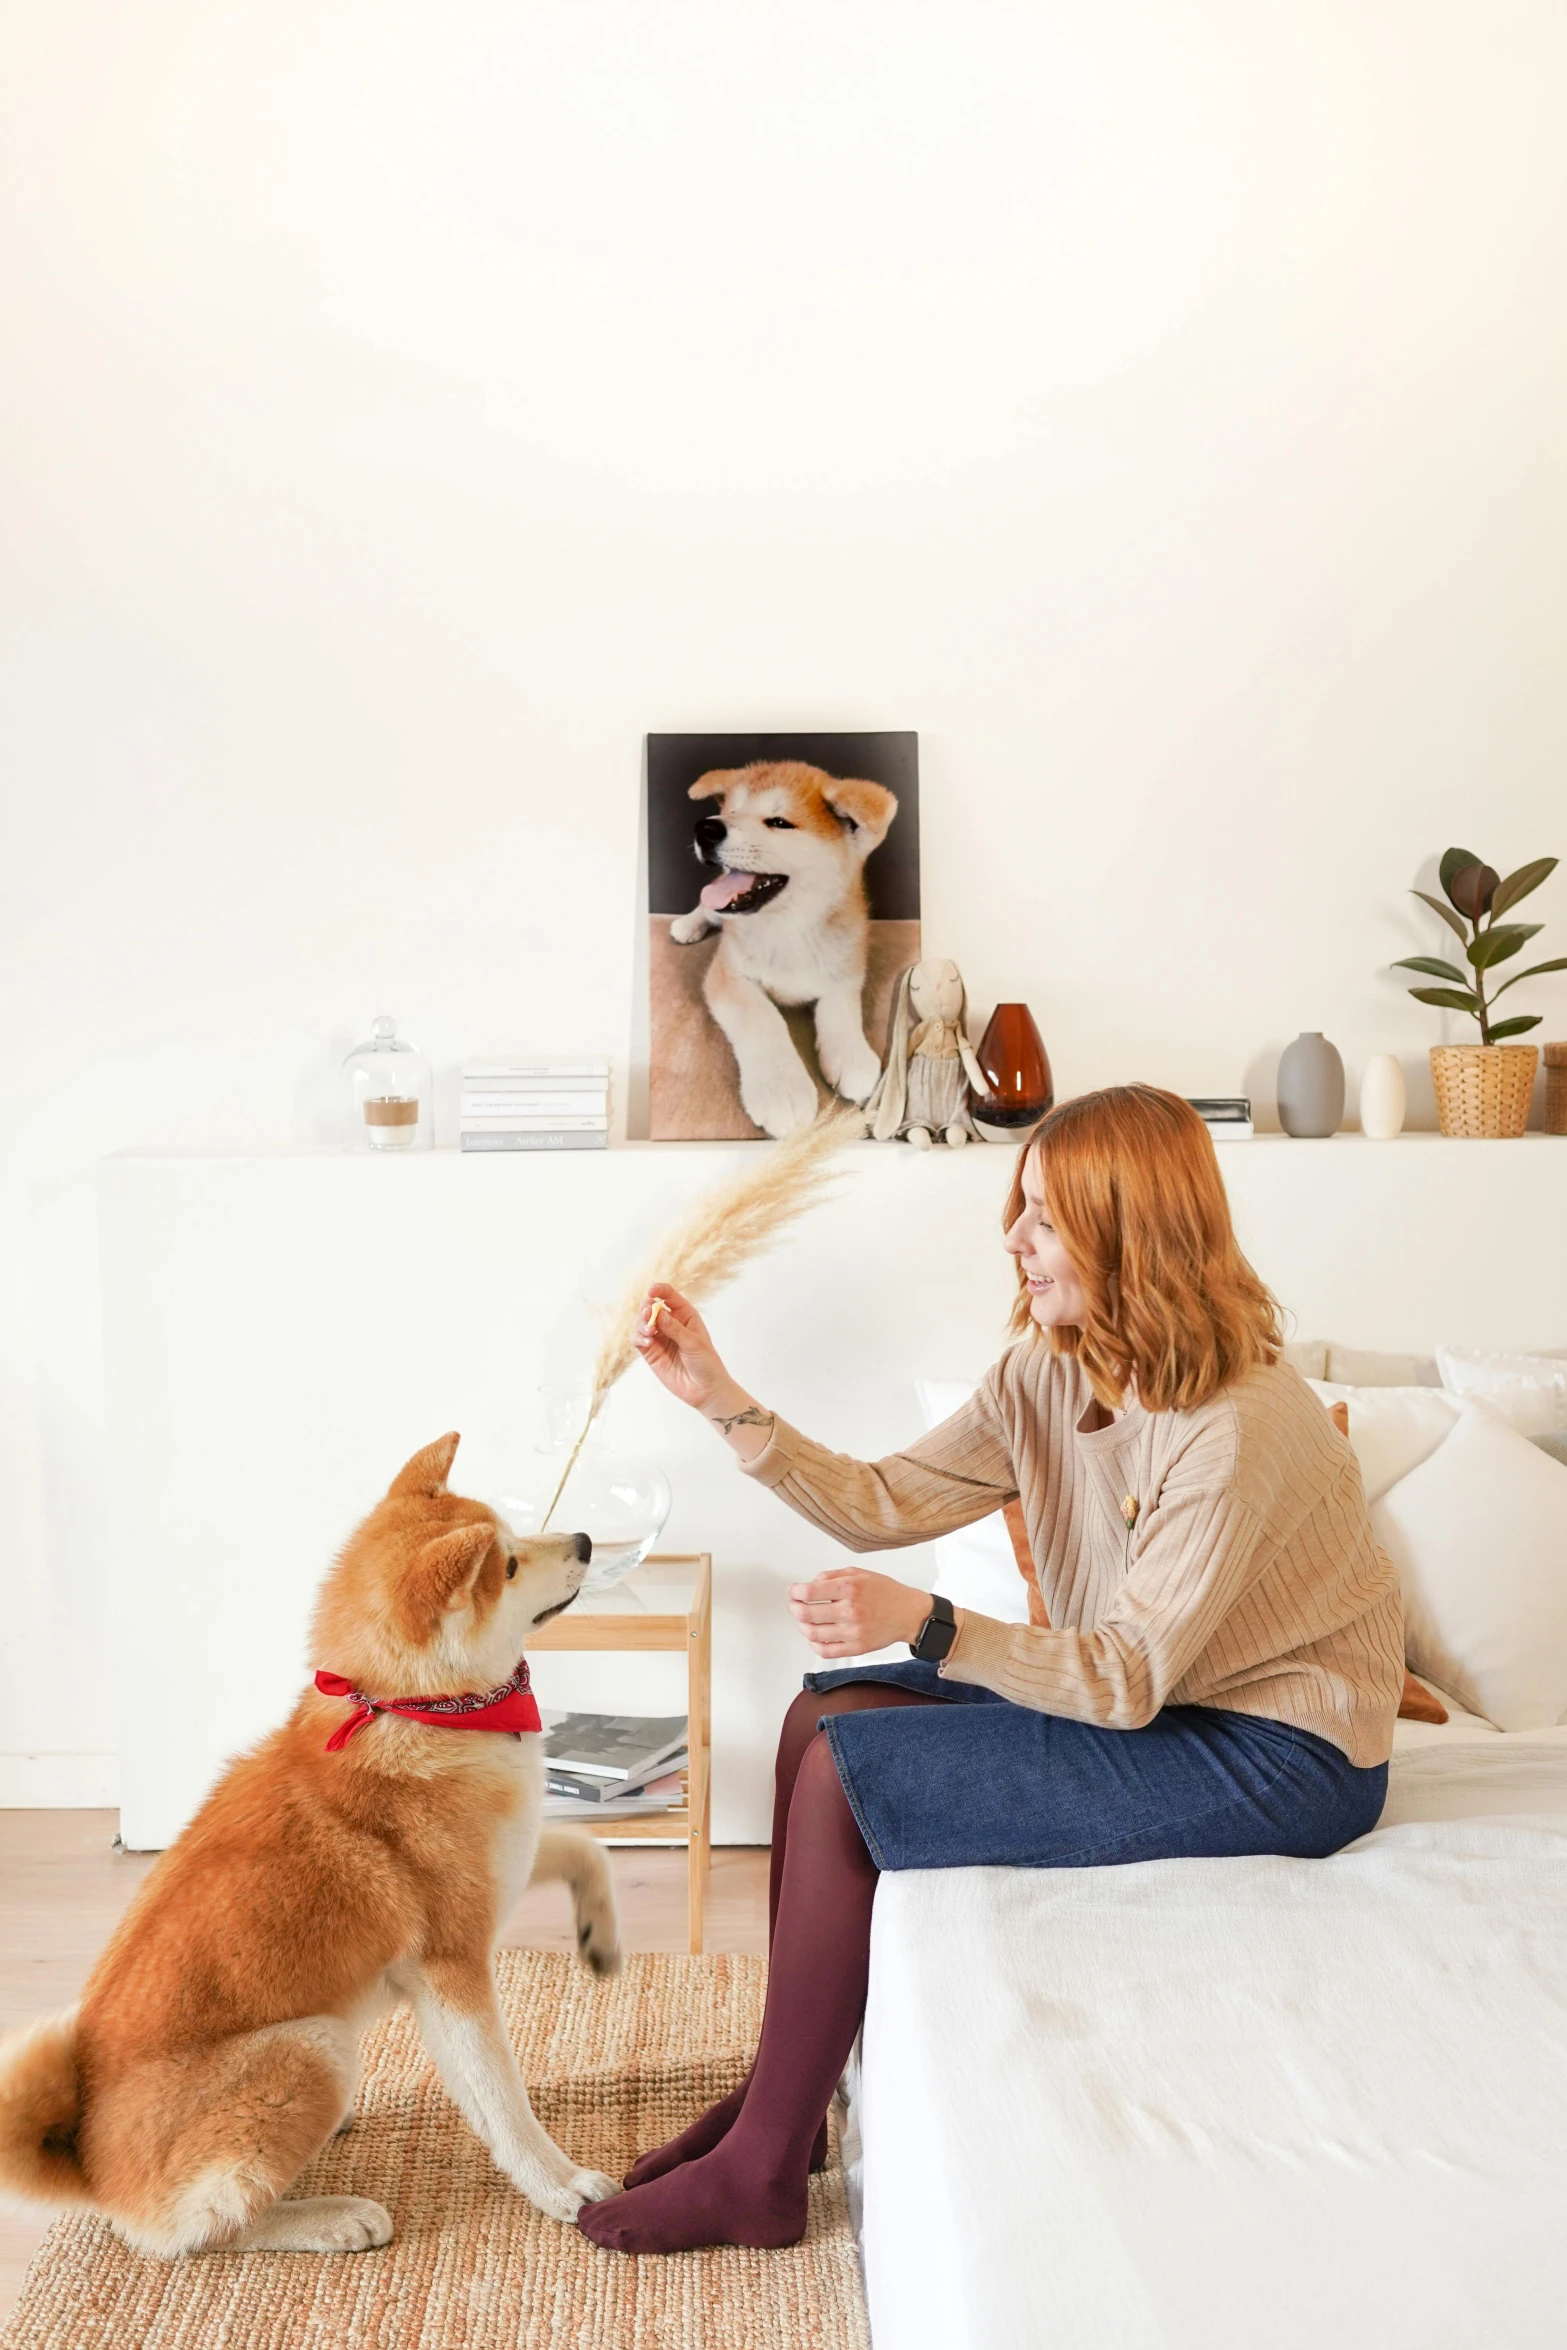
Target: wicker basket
{"x": 1483, "y": 1088}
{"x": 1556, "y": 1089}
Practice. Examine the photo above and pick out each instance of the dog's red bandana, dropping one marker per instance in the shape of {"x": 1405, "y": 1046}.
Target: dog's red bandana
{"x": 512, "y": 1707}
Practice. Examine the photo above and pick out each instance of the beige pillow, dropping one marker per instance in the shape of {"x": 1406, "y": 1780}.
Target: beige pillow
{"x": 1360, "y": 1366}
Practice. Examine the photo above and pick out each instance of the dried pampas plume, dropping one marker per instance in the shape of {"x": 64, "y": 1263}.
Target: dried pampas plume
{"x": 717, "y": 1240}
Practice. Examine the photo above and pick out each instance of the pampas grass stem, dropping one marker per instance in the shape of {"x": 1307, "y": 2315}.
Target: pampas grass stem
{"x": 718, "y": 1239}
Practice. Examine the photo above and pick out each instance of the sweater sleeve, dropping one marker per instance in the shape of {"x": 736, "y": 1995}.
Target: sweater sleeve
{"x": 959, "y": 1472}
{"x": 1202, "y": 1548}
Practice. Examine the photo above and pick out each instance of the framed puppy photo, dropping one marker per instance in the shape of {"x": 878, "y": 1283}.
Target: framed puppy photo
{"x": 783, "y": 901}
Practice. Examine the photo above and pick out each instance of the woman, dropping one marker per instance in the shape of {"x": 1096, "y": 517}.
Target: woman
{"x": 1220, "y": 1670}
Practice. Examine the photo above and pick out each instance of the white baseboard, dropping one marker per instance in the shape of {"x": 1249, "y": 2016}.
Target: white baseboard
{"x": 59, "y": 1782}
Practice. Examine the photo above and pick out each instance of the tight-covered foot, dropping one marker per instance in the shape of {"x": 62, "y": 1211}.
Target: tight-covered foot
{"x": 726, "y": 2197}
{"x": 702, "y": 2136}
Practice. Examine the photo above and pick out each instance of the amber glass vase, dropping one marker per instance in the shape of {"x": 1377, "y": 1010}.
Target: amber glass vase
{"x": 1017, "y": 1073}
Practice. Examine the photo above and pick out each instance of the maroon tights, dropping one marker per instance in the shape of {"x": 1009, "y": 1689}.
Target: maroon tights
{"x": 739, "y": 2174}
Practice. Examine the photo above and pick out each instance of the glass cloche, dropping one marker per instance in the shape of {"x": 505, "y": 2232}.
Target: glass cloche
{"x": 388, "y": 1093}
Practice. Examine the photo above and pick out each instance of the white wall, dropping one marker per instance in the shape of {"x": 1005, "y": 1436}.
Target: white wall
{"x": 1155, "y": 402}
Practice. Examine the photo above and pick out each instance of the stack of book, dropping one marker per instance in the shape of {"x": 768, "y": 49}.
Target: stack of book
{"x": 612, "y": 1766}
{"x": 1227, "y": 1116}
{"x": 529, "y": 1105}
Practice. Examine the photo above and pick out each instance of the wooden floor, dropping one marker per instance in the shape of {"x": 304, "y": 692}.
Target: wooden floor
{"x": 63, "y": 1886}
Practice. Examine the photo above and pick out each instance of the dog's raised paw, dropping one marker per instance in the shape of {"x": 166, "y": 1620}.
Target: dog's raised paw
{"x": 687, "y": 929}
{"x": 598, "y": 1945}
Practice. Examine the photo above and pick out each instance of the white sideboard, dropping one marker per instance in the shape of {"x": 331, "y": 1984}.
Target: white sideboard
{"x": 281, "y": 1331}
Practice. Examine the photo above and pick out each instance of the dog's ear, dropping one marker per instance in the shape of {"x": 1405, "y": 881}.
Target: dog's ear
{"x": 865, "y": 809}
{"x": 426, "y": 1474}
{"x": 712, "y": 785}
{"x": 442, "y": 1573}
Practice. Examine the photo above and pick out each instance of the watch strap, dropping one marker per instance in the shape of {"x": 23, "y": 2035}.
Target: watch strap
{"x": 937, "y": 1633}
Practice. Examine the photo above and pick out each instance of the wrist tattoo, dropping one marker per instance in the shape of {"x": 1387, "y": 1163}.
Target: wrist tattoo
{"x": 752, "y": 1417}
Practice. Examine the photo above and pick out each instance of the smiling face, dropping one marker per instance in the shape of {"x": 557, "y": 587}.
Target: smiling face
{"x": 1055, "y": 1294}
{"x": 434, "y": 1594}
{"x": 785, "y": 831}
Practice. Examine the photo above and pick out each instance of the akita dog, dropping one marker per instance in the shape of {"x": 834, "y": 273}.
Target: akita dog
{"x": 367, "y": 1852}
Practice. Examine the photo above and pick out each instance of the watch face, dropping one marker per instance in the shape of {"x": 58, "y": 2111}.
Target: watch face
{"x": 937, "y": 1634}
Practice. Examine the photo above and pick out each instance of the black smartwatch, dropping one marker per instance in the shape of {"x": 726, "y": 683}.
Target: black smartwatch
{"x": 937, "y": 1633}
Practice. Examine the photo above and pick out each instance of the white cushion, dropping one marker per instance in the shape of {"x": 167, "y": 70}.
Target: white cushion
{"x": 1478, "y": 1533}
{"x": 1393, "y": 1429}
{"x": 1529, "y": 1391}
{"x": 975, "y": 1566}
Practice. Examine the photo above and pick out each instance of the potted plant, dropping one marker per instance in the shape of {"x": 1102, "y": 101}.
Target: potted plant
{"x": 1482, "y": 1088}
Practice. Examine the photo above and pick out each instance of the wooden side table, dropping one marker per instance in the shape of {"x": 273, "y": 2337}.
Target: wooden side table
{"x": 666, "y": 1603}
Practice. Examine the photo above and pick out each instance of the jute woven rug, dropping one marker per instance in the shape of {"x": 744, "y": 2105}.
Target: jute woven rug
{"x": 612, "y": 2068}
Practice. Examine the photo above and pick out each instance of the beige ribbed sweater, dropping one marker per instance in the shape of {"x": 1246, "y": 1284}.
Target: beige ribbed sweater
{"x": 1249, "y": 1580}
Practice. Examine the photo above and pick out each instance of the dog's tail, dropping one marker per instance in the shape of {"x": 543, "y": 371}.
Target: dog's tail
{"x": 40, "y": 2110}
{"x": 579, "y": 1860}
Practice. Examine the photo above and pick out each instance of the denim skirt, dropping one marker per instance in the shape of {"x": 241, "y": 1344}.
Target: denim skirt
{"x": 978, "y": 1782}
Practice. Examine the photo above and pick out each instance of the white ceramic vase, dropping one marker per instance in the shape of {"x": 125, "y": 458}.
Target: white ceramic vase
{"x": 1382, "y": 1098}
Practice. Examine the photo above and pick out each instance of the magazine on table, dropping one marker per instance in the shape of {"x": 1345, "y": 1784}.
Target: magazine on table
{"x": 665, "y": 1793}
{"x": 598, "y": 1758}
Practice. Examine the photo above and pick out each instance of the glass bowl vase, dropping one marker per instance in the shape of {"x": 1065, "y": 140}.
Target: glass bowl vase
{"x": 619, "y": 1500}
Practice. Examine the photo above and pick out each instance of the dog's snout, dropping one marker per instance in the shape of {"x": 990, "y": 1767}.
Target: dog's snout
{"x": 711, "y": 833}
{"x": 582, "y": 1547}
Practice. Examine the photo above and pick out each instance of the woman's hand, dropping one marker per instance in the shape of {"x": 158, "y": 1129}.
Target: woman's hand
{"x": 849, "y": 1610}
{"x": 673, "y": 1341}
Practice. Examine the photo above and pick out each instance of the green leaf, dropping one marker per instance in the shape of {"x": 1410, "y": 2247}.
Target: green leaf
{"x": 1453, "y": 921}
{"x": 1518, "y": 885}
{"x": 1454, "y": 862}
{"x": 1432, "y": 965}
{"x": 1502, "y": 940}
{"x": 1501, "y": 1028}
{"x": 1471, "y": 889}
{"x": 1450, "y": 999}
{"x": 1557, "y": 963}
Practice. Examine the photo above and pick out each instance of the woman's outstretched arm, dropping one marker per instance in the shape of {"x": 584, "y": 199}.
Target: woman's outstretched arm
{"x": 959, "y": 1472}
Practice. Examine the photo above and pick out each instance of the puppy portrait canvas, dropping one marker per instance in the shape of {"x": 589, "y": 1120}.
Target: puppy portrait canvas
{"x": 783, "y": 900}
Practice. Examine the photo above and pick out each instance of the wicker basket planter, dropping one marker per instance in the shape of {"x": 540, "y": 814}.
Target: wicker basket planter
{"x": 1483, "y": 1088}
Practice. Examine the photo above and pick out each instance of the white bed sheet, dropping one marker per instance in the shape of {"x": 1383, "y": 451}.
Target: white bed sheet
{"x": 1199, "y": 2105}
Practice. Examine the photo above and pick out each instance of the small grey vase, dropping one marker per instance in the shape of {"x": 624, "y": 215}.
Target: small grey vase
{"x": 1311, "y": 1086}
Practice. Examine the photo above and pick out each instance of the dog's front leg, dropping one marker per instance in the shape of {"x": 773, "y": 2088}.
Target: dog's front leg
{"x": 848, "y": 1063}
{"x": 777, "y": 1092}
{"x": 460, "y": 2023}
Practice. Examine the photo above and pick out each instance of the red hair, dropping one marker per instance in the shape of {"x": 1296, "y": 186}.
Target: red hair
{"x": 1173, "y": 1309}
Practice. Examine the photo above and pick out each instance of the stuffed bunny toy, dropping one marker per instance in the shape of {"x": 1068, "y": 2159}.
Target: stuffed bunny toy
{"x": 930, "y": 1064}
